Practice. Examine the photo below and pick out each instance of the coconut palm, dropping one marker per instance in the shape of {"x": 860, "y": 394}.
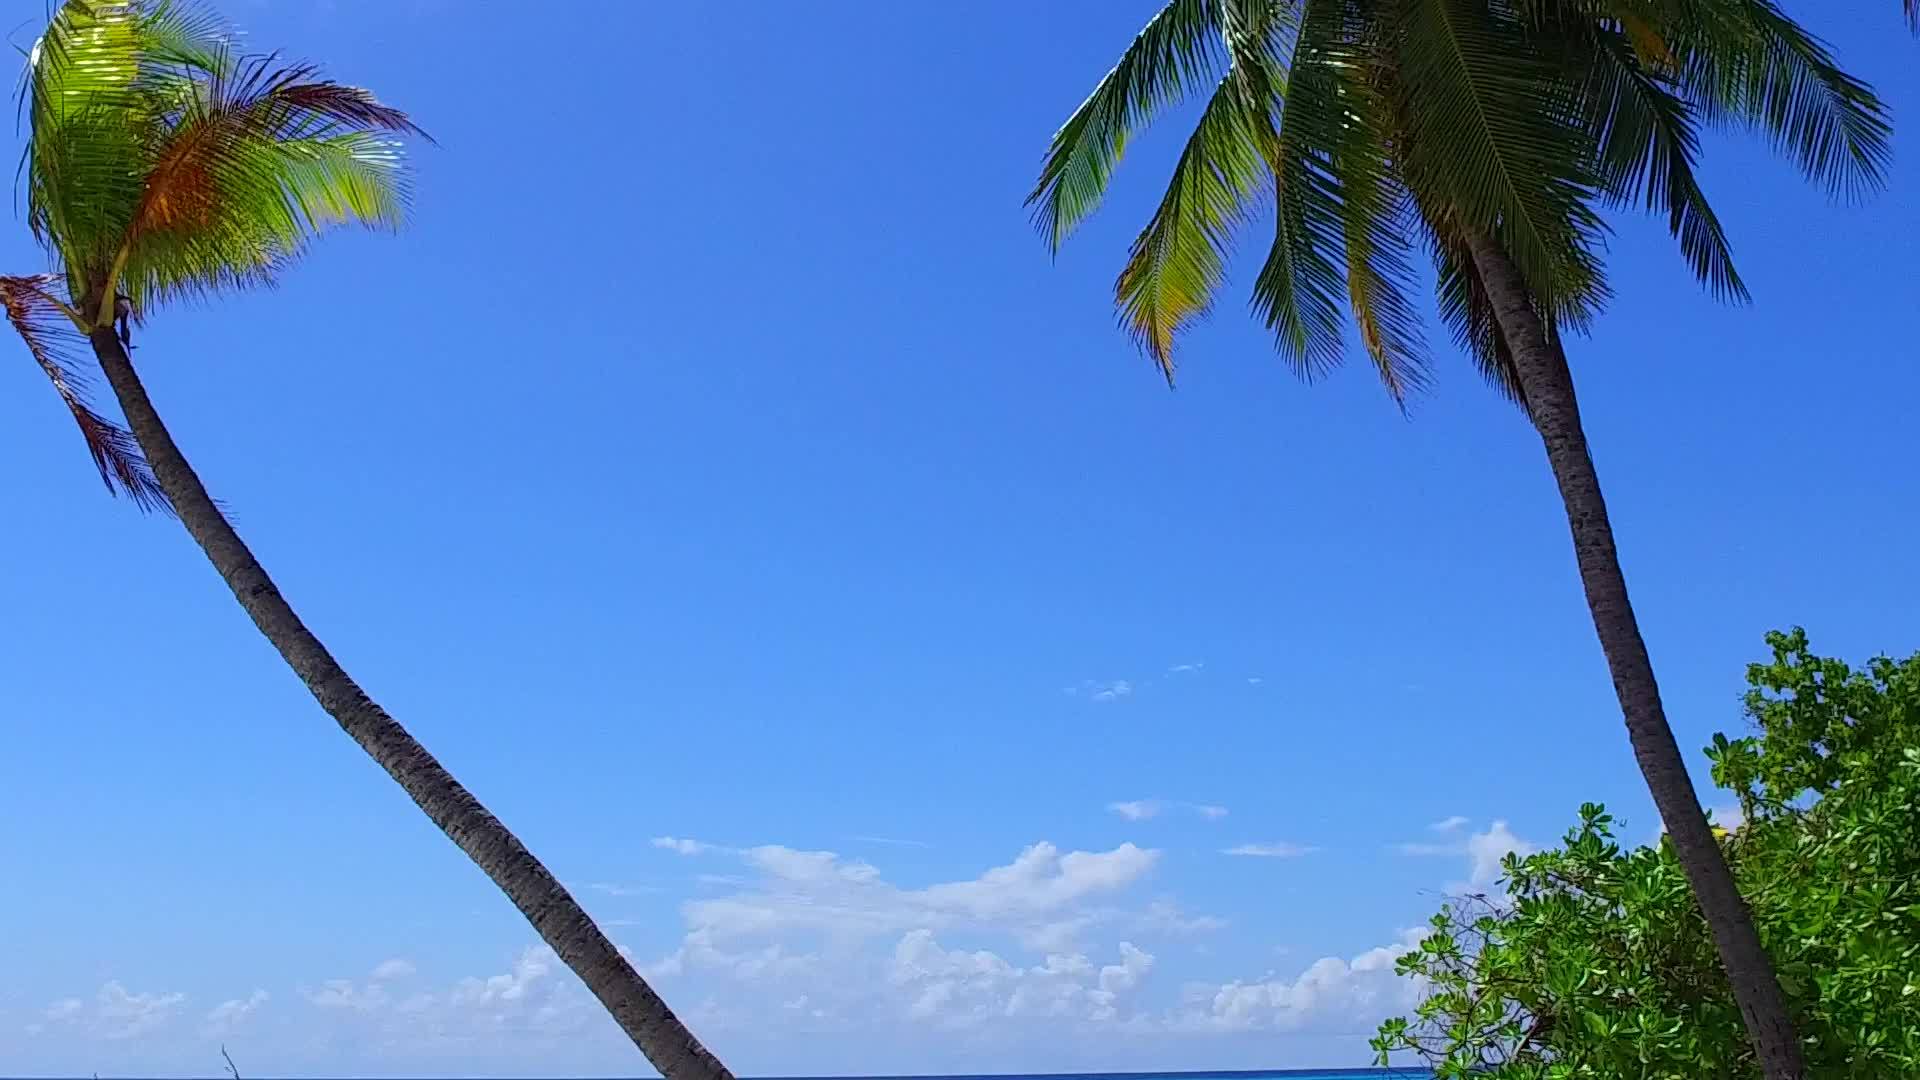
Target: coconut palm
{"x": 161, "y": 164}
{"x": 1496, "y": 132}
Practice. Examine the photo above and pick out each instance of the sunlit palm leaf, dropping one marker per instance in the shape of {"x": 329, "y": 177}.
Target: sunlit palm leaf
{"x": 1175, "y": 265}
{"x": 1177, "y": 262}
{"x": 1177, "y": 52}
{"x": 259, "y": 160}
{"x": 52, "y": 338}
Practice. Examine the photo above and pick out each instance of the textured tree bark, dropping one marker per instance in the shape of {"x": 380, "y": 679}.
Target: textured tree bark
{"x": 555, "y": 915}
{"x": 1547, "y": 385}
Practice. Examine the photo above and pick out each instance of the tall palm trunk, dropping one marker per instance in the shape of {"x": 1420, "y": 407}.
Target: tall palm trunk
{"x": 1547, "y": 385}
{"x": 555, "y": 915}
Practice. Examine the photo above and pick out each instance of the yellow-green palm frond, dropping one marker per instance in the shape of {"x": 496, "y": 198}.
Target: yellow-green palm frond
{"x": 161, "y": 163}
{"x": 1342, "y": 217}
{"x": 255, "y": 161}
{"x": 1177, "y": 263}
{"x": 1177, "y": 52}
{"x": 46, "y": 325}
{"x": 93, "y": 118}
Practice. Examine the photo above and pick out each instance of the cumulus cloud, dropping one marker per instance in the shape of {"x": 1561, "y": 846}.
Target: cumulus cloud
{"x": 682, "y": 846}
{"x": 1483, "y": 851}
{"x": 1448, "y": 824}
{"x": 115, "y": 1013}
{"x": 1277, "y": 850}
{"x": 389, "y": 970}
{"x": 958, "y": 988}
{"x": 1186, "y": 669}
{"x": 226, "y": 1017}
{"x": 1355, "y": 991}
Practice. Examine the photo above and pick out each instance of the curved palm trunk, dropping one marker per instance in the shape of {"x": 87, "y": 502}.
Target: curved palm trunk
{"x": 555, "y": 915}
{"x": 1547, "y": 385}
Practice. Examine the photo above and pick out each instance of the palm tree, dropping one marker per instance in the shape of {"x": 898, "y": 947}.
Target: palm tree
{"x": 1496, "y": 131}
{"x": 161, "y": 164}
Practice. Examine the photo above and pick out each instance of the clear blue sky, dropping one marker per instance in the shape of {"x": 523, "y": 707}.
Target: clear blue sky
{"x": 720, "y": 457}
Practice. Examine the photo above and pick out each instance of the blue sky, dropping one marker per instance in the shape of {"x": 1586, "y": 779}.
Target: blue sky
{"x": 721, "y": 479}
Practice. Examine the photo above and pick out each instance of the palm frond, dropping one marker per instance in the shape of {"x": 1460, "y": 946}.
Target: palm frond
{"x": 260, "y": 159}
{"x": 1176, "y": 52}
{"x": 1492, "y": 129}
{"x": 1747, "y": 62}
{"x": 1468, "y": 311}
{"x": 1297, "y": 293}
{"x": 1175, "y": 265}
{"x": 50, "y": 335}
{"x": 1377, "y": 217}
{"x": 1647, "y": 145}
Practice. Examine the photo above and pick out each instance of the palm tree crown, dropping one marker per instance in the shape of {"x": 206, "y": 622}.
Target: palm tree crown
{"x": 162, "y": 164}
{"x": 1373, "y": 125}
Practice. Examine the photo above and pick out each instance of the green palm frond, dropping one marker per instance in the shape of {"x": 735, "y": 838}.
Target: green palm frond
{"x": 1177, "y": 52}
{"x": 257, "y": 161}
{"x": 160, "y": 163}
{"x": 1468, "y": 311}
{"x": 1377, "y": 218}
{"x": 1747, "y": 62}
{"x": 1299, "y": 288}
{"x": 1177, "y": 262}
{"x": 1493, "y": 130}
{"x": 46, "y": 325}
{"x": 1647, "y": 145}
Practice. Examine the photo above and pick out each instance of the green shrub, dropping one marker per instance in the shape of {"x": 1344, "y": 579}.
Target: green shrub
{"x": 1597, "y": 964}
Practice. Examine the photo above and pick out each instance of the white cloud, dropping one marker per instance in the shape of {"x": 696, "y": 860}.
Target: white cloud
{"x": 1111, "y": 691}
{"x": 1254, "y": 680}
{"x": 1138, "y": 810}
{"x": 1482, "y": 850}
{"x": 1186, "y": 669}
{"x": 226, "y": 1017}
{"x": 1165, "y": 917}
{"x": 1354, "y": 992}
{"x": 1142, "y": 809}
{"x": 1447, "y": 825}
{"x": 117, "y": 1013}
{"x": 388, "y": 970}
{"x": 1279, "y": 850}
{"x": 1045, "y": 900}
{"x": 964, "y": 989}
{"x": 1133, "y": 966}
{"x": 1485, "y": 851}
{"x": 682, "y": 846}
